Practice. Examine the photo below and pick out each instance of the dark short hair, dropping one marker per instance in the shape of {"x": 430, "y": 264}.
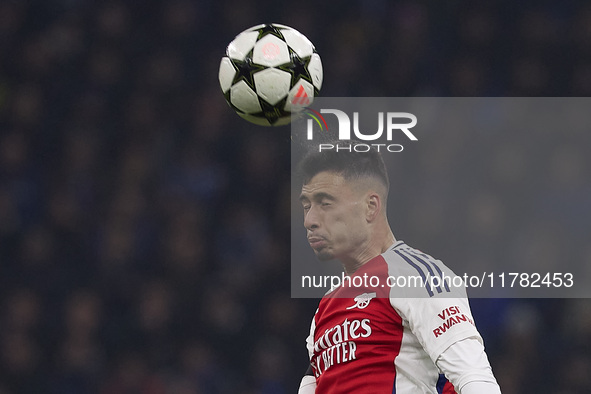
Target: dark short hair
{"x": 350, "y": 165}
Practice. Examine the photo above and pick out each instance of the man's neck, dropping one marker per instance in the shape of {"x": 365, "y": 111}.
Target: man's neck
{"x": 375, "y": 247}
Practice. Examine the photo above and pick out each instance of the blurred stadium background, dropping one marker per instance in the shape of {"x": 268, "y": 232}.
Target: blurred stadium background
{"x": 144, "y": 227}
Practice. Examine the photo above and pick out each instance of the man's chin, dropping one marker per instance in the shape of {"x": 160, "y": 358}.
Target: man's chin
{"x": 324, "y": 255}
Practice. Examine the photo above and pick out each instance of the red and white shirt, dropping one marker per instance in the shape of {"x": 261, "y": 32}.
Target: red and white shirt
{"x": 380, "y": 338}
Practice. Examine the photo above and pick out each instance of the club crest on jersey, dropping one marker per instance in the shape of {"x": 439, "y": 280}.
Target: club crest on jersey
{"x": 362, "y": 300}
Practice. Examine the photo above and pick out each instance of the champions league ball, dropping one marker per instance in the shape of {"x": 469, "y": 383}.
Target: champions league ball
{"x": 269, "y": 72}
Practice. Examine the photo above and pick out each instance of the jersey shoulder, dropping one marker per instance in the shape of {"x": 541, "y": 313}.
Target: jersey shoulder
{"x": 415, "y": 274}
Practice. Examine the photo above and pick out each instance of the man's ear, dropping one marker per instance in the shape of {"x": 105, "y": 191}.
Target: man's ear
{"x": 374, "y": 206}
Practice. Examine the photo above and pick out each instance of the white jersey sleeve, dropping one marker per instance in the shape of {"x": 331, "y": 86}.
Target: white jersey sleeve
{"x": 437, "y": 323}
{"x": 310, "y": 338}
{"x": 436, "y": 312}
{"x": 466, "y": 366}
{"x": 308, "y": 383}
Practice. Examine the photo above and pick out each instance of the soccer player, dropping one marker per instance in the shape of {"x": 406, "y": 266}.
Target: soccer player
{"x": 376, "y": 337}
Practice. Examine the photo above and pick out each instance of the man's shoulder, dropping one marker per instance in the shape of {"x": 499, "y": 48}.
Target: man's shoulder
{"x": 402, "y": 258}
{"x": 413, "y": 273}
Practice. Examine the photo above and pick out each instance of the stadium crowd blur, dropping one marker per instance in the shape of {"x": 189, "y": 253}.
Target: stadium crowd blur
{"x": 144, "y": 227}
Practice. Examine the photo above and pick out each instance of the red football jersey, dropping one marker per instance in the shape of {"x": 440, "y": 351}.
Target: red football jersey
{"x": 372, "y": 335}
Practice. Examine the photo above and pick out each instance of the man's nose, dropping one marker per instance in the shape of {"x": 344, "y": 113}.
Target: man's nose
{"x": 311, "y": 220}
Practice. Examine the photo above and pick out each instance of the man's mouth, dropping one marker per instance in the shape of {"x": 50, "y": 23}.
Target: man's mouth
{"x": 316, "y": 242}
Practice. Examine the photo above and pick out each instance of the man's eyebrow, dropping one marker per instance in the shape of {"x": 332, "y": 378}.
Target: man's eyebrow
{"x": 317, "y": 196}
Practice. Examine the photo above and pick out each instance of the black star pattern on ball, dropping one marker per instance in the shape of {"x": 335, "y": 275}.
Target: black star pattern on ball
{"x": 272, "y": 112}
{"x": 245, "y": 70}
{"x": 270, "y": 29}
{"x": 298, "y": 68}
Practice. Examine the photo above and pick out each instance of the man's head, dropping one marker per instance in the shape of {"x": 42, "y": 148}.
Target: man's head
{"x": 344, "y": 199}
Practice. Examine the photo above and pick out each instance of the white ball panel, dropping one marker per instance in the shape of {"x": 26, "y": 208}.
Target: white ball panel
{"x": 226, "y": 74}
{"x": 270, "y": 51}
{"x": 242, "y": 44}
{"x": 298, "y": 42}
{"x": 296, "y": 104}
{"x": 315, "y": 69}
{"x": 244, "y": 98}
{"x": 283, "y": 26}
{"x": 272, "y": 84}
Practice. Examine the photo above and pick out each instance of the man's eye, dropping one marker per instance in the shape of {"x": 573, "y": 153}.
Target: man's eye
{"x": 306, "y": 207}
{"x": 324, "y": 204}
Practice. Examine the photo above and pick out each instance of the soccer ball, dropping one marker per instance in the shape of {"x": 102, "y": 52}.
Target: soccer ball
{"x": 269, "y": 72}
